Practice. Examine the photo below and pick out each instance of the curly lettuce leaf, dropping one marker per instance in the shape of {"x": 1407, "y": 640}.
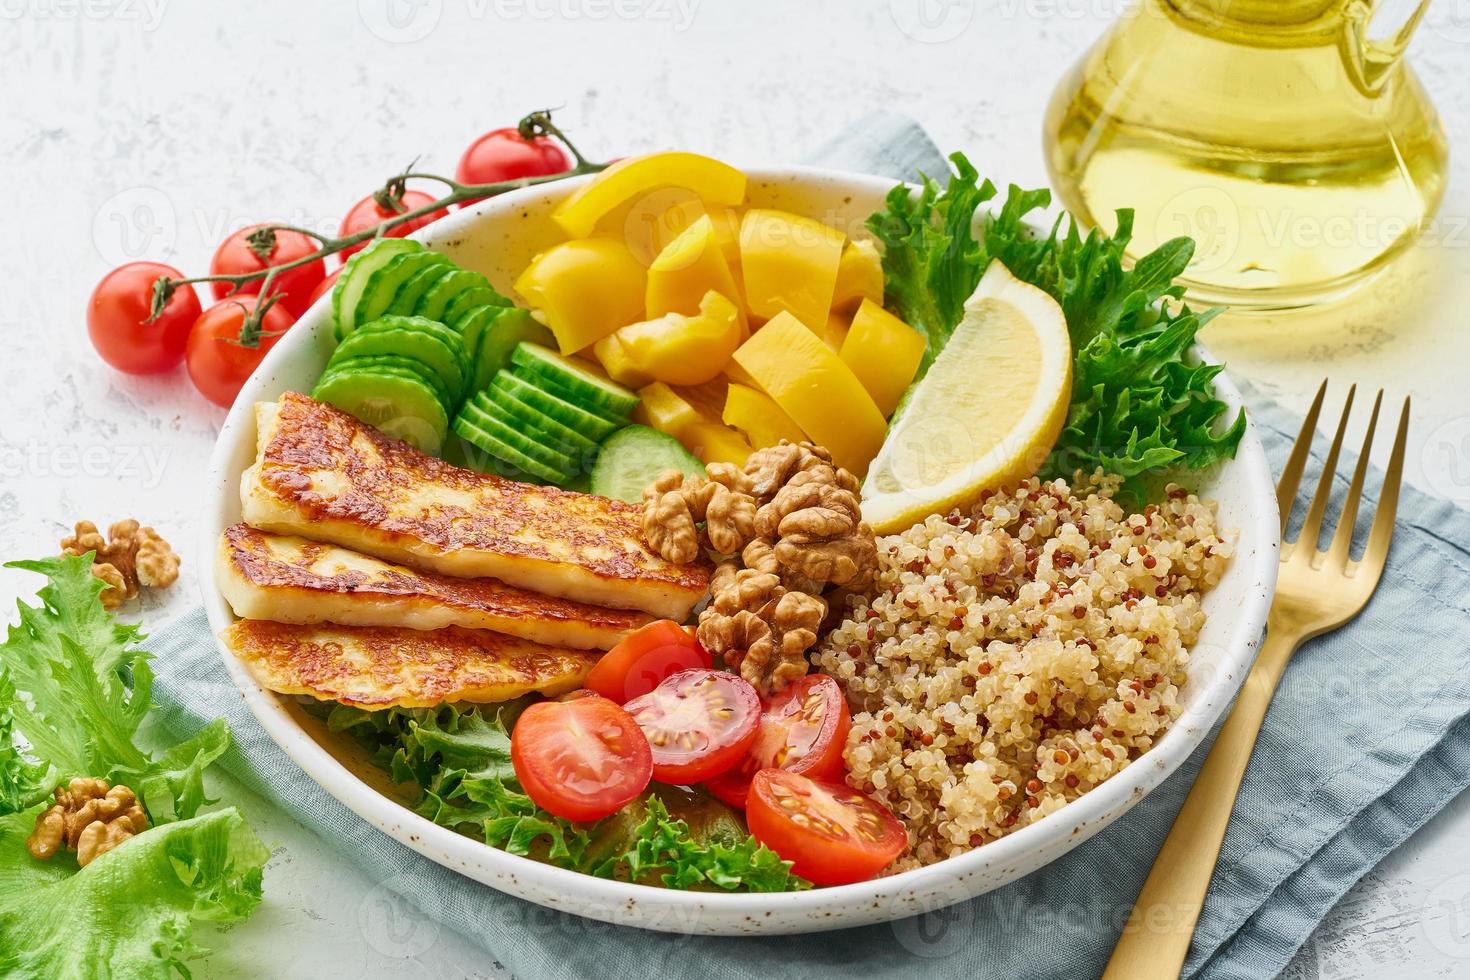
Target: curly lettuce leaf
{"x": 1138, "y": 406}
{"x": 130, "y": 912}
{"x": 23, "y": 780}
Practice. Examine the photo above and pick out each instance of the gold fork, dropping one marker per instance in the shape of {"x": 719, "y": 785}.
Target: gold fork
{"x": 1316, "y": 591}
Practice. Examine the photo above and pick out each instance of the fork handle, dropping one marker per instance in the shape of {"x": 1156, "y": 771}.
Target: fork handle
{"x": 1156, "y": 940}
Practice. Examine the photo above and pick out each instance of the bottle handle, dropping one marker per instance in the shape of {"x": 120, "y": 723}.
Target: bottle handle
{"x": 1369, "y": 62}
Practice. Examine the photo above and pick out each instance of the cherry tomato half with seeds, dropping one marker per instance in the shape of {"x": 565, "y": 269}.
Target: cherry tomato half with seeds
{"x": 503, "y": 154}
{"x": 832, "y": 834}
{"x": 117, "y": 319}
{"x": 582, "y": 759}
{"x": 218, "y": 363}
{"x": 644, "y": 658}
{"x": 234, "y": 257}
{"x": 367, "y": 213}
{"x": 803, "y": 729}
{"x": 699, "y": 723}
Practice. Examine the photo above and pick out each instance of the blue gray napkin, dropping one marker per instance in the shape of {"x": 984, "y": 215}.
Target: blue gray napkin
{"x": 1367, "y": 738}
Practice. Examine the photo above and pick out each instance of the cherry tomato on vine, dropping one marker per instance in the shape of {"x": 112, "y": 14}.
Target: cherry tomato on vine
{"x": 503, "y": 154}
{"x": 643, "y": 659}
{"x": 832, "y": 834}
{"x": 367, "y": 213}
{"x": 803, "y": 730}
{"x": 218, "y": 363}
{"x": 117, "y": 319}
{"x": 581, "y": 759}
{"x": 699, "y": 723}
{"x": 234, "y": 257}
{"x": 323, "y": 288}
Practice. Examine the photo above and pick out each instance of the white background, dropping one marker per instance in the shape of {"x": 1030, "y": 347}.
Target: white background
{"x": 150, "y": 128}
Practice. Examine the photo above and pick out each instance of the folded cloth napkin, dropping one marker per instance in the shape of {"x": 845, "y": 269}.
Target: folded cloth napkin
{"x": 1368, "y": 737}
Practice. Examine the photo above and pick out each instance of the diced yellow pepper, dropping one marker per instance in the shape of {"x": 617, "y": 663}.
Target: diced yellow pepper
{"x": 584, "y": 290}
{"x": 757, "y": 415}
{"x": 716, "y": 443}
{"x": 688, "y": 268}
{"x": 660, "y": 407}
{"x": 727, "y": 233}
{"x": 788, "y": 263}
{"x": 859, "y": 276}
{"x": 835, "y": 332}
{"x": 814, "y": 387}
{"x": 713, "y": 182}
{"x": 708, "y": 399}
{"x": 677, "y": 348}
{"x": 884, "y": 353}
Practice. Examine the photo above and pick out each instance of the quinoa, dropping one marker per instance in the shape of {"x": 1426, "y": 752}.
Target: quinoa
{"x": 1016, "y": 656}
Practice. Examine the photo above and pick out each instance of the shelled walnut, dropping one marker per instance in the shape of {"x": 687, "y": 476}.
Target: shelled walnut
{"x": 129, "y": 558}
{"x": 88, "y": 817}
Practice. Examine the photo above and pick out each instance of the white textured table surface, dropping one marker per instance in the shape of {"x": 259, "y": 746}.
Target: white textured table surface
{"x": 150, "y": 128}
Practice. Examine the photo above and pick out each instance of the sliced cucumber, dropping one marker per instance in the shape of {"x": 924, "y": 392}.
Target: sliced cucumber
{"x": 594, "y": 427}
{"x": 430, "y": 343}
{"x": 489, "y": 418}
{"x": 467, "y": 430}
{"x": 406, "y": 300}
{"x": 347, "y": 293}
{"x": 383, "y": 285}
{"x": 471, "y": 299}
{"x": 497, "y": 338}
{"x": 579, "y": 382}
{"x": 633, "y": 457}
{"x": 394, "y": 363}
{"x": 435, "y": 302}
{"x": 398, "y": 404}
{"x": 561, "y": 436}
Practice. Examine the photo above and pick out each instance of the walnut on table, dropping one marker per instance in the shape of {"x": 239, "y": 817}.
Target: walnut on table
{"x": 129, "y": 558}
{"x": 88, "y": 817}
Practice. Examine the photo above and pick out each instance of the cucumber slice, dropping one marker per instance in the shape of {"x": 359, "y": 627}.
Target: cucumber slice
{"x": 430, "y": 343}
{"x": 581, "y": 384}
{"x": 347, "y": 293}
{"x": 563, "y": 437}
{"x": 406, "y": 300}
{"x": 467, "y": 430}
{"x": 492, "y": 420}
{"x": 471, "y": 299}
{"x": 397, "y": 404}
{"x": 496, "y": 337}
{"x": 592, "y": 426}
{"x": 395, "y": 363}
{"x": 633, "y": 457}
{"x": 436, "y": 301}
{"x": 383, "y": 285}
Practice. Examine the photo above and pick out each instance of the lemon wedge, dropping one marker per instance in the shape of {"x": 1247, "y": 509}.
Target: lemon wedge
{"x": 987, "y": 412}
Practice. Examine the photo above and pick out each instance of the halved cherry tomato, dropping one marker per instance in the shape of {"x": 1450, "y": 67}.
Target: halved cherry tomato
{"x": 368, "y": 214}
{"x": 582, "y": 759}
{"x": 832, "y": 834}
{"x": 117, "y": 319}
{"x": 803, "y": 729}
{"x": 324, "y": 287}
{"x": 642, "y": 661}
{"x": 234, "y": 257}
{"x": 699, "y": 723}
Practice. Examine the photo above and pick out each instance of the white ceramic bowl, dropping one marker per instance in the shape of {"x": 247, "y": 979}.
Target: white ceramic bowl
{"x": 497, "y": 238}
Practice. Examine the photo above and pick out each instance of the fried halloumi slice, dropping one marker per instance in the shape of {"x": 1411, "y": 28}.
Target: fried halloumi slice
{"x": 382, "y": 667}
{"x": 323, "y": 474}
{"x": 289, "y": 579}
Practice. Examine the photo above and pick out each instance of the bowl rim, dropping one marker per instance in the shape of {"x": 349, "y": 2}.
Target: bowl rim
{"x": 456, "y": 851}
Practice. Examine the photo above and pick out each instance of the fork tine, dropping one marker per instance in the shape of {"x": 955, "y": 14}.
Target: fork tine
{"x": 1313, "y": 524}
{"x": 1291, "y": 474}
{"x": 1388, "y": 501}
{"x": 1342, "y": 541}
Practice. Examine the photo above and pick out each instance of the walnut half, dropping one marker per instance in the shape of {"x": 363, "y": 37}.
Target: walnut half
{"x": 129, "y": 557}
{"x": 88, "y": 817}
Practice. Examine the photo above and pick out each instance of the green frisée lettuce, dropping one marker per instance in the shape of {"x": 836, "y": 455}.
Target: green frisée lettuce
{"x": 460, "y": 762}
{"x": 1139, "y": 405}
{"x": 74, "y": 689}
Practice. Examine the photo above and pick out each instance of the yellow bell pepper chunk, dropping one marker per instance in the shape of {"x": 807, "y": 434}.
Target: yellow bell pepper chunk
{"x": 757, "y": 415}
{"x": 727, "y": 233}
{"x": 716, "y": 443}
{"x": 676, "y": 348}
{"x": 859, "y": 276}
{"x": 584, "y": 290}
{"x": 812, "y": 385}
{"x": 713, "y": 182}
{"x": 661, "y": 408}
{"x": 788, "y": 263}
{"x": 835, "y": 330}
{"x": 688, "y": 268}
{"x": 884, "y": 353}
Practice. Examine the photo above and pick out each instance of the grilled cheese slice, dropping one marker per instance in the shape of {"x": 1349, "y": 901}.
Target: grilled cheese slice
{"x": 292, "y": 580}
{"x": 323, "y": 474}
{"x": 377, "y": 667}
